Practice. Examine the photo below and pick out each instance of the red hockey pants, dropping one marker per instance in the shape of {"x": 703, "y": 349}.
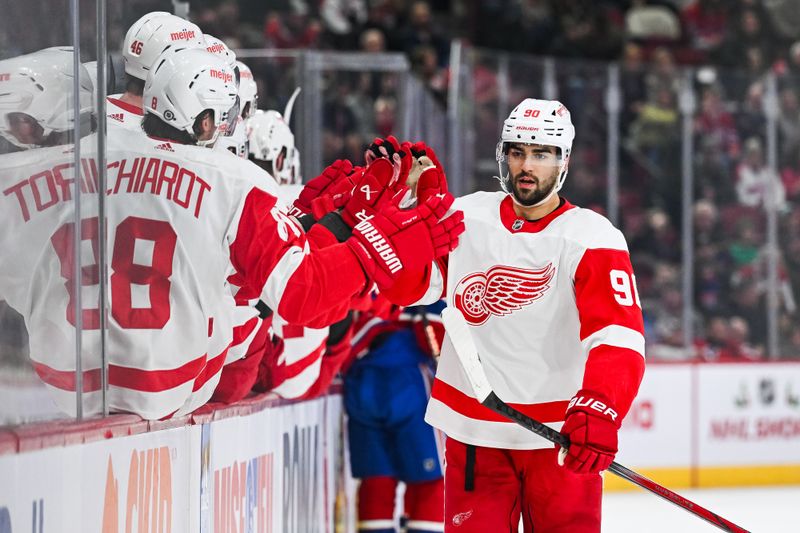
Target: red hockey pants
{"x": 488, "y": 489}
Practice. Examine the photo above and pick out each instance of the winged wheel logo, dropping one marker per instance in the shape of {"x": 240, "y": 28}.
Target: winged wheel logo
{"x": 500, "y": 291}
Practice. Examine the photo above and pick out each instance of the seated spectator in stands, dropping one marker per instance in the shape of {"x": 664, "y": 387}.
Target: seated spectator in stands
{"x": 749, "y": 303}
{"x": 587, "y": 29}
{"x": 668, "y": 326}
{"x": 738, "y": 345}
{"x": 665, "y": 244}
{"x": 295, "y": 29}
{"x": 756, "y": 183}
{"x": 751, "y": 120}
{"x": 420, "y": 31}
{"x": 424, "y": 65}
{"x": 710, "y": 284}
{"x": 743, "y": 249}
{"x": 657, "y": 129}
{"x": 372, "y": 40}
{"x": 717, "y": 137}
{"x": 706, "y": 223}
{"x": 385, "y": 116}
{"x": 788, "y": 68}
{"x": 705, "y": 22}
{"x": 716, "y": 338}
{"x": 748, "y": 33}
{"x": 663, "y": 72}
{"x": 632, "y": 81}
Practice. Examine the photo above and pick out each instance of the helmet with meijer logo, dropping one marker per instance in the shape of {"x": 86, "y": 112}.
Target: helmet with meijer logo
{"x": 183, "y": 84}
{"x": 153, "y": 34}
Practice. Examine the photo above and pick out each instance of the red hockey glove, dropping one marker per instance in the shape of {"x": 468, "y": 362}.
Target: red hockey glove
{"x": 332, "y": 177}
{"x": 591, "y": 424}
{"x": 419, "y": 149}
{"x": 397, "y": 154}
{"x": 394, "y": 239}
{"x": 370, "y": 194}
{"x": 426, "y": 173}
{"x": 337, "y": 194}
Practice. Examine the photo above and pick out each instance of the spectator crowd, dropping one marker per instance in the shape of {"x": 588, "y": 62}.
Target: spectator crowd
{"x": 731, "y": 47}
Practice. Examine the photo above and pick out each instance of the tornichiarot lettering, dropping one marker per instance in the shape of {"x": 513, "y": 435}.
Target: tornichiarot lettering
{"x": 374, "y": 237}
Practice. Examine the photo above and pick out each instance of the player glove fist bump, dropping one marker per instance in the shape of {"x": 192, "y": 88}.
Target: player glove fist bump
{"x": 387, "y": 239}
{"x": 591, "y": 424}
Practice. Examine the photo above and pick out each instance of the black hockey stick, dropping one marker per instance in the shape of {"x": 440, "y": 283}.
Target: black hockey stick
{"x": 458, "y": 331}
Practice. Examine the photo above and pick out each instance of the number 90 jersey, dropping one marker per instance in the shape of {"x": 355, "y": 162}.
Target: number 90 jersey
{"x": 553, "y": 308}
{"x": 188, "y": 229}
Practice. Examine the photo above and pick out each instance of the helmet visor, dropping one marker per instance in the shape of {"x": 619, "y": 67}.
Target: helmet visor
{"x": 531, "y": 156}
{"x": 229, "y": 119}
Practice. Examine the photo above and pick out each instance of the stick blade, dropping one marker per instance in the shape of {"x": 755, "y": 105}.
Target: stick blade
{"x": 461, "y": 337}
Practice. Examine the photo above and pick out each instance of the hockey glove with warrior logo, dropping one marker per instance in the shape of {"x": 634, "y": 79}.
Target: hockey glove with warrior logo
{"x": 393, "y": 239}
{"x": 364, "y": 199}
{"x": 591, "y": 424}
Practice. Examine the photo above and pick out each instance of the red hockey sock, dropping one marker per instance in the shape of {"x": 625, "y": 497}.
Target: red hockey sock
{"x": 424, "y": 506}
{"x": 376, "y": 497}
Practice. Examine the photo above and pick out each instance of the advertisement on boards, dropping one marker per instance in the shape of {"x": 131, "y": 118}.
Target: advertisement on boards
{"x": 656, "y": 432}
{"x": 130, "y": 484}
{"x": 749, "y": 414}
{"x": 271, "y": 471}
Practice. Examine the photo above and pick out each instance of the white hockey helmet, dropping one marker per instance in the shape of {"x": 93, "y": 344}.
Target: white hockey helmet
{"x": 544, "y": 122}
{"x": 39, "y": 87}
{"x": 184, "y": 83}
{"x": 219, "y": 48}
{"x": 237, "y": 142}
{"x": 272, "y": 142}
{"x": 151, "y": 35}
{"x": 248, "y": 90}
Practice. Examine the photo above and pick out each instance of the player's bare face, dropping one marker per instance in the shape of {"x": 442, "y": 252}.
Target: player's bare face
{"x": 534, "y": 170}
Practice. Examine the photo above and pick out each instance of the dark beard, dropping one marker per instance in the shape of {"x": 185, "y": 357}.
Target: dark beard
{"x": 536, "y": 197}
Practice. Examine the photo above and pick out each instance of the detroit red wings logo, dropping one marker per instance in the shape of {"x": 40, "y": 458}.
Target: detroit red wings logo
{"x": 500, "y": 291}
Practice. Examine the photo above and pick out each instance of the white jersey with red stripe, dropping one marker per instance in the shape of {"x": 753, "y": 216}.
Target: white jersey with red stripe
{"x": 187, "y": 229}
{"x": 301, "y": 359}
{"x": 548, "y": 302}
{"x": 123, "y": 114}
{"x": 303, "y": 348}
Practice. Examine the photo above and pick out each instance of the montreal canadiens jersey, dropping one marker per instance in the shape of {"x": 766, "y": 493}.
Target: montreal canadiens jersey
{"x": 553, "y": 308}
{"x": 123, "y": 114}
{"x": 188, "y": 229}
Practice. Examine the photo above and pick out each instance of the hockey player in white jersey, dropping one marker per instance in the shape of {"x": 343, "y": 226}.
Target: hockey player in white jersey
{"x": 36, "y": 92}
{"x": 550, "y": 294}
{"x": 237, "y": 142}
{"x": 184, "y": 224}
{"x": 145, "y": 41}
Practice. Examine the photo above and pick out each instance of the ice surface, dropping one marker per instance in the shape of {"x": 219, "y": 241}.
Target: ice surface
{"x": 757, "y": 509}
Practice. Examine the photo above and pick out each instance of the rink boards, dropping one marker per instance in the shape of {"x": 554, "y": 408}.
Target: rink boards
{"x": 275, "y": 469}
{"x": 714, "y": 424}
